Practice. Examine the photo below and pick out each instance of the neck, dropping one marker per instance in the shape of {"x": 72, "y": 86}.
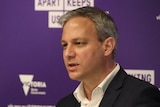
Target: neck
{"x": 90, "y": 85}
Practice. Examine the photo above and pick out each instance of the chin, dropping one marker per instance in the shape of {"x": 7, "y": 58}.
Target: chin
{"x": 73, "y": 77}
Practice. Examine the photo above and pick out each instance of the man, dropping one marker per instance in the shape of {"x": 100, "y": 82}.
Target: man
{"x": 89, "y": 41}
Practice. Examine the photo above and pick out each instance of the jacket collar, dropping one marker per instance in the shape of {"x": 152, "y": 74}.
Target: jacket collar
{"x": 114, "y": 89}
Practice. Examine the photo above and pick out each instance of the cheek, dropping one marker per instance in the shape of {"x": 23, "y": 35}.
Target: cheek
{"x": 64, "y": 59}
{"x": 90, "y": 55}
{"x": 94, "y": 56}
{"x": 85, "y": 53}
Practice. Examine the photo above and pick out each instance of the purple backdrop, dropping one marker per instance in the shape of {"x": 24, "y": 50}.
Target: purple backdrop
{"x": 30, "y": 48}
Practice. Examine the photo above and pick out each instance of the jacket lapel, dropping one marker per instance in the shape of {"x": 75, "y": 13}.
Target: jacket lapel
{"x": 113, "y": 90}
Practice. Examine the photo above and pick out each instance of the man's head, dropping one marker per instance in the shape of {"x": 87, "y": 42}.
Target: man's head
{"x": 89, "y": 40}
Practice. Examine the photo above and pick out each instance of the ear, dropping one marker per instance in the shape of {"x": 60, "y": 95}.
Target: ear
{"x": 109, "y": 45}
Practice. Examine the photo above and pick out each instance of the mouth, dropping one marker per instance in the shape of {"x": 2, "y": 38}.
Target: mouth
{"x": 72, "y": 66}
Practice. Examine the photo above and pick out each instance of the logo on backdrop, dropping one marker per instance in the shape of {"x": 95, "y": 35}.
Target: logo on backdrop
{"x": 158, "y": 17}
{"x": 32, "y": 86}
{"x": 146, "y": 75}
{"x": 56, "y": 8}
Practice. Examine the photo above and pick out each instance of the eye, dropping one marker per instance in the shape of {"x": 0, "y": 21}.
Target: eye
{"x": 80, "y": 43}
{"x": 64, "y": 45}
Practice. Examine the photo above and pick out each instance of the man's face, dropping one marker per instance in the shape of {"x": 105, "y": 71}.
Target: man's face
{"x": 83, "y": 54}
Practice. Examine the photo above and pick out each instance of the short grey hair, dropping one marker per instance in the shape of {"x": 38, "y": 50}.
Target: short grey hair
{"x": 104, "y": 23}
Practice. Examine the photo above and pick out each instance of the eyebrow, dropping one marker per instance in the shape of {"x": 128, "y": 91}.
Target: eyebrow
{"x": 75, "y": 39}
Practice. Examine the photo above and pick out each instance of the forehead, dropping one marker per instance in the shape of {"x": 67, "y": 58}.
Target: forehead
{"x": 79, "y": 27}
{"x": 79, "y": 21}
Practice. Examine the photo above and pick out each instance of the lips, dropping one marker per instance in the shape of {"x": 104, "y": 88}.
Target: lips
{"x": 72, "y": 66}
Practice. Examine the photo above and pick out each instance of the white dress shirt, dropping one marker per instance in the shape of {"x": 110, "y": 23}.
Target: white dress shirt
{"x": 97, "y": 93}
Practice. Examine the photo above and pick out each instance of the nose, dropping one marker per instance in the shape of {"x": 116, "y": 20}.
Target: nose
{"x": 69, "y": 52}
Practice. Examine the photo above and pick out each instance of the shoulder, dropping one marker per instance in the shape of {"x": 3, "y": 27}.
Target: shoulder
{"x": 141, "y": 91}
{"x": 129, "y": 81}
{"x": 137, "y": 83}
{"x": 136, "y": 92}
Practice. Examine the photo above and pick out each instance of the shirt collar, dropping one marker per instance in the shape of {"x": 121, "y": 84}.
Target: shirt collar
{"x": 105, "y": 83}
{"x": 79, "y": 92}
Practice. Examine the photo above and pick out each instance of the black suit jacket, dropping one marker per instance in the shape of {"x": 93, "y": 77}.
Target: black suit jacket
{"x": 123, "y": 91}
